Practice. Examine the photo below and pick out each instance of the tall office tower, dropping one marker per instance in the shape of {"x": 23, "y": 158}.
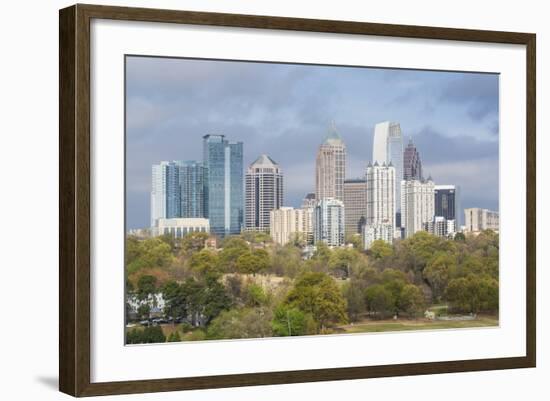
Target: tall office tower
{"x": 381, "y": 186}
{"x": 191, "y": 179}
{"x": 328, "y": 224}
{"x": 309, "y": 200}
{"x": 478, "y": 219}
{"x": 286, "y": 223}
{"x": 447, "y": 202}
{"x": 223, "y": 193}
{"x": 417, "y": 204}
{"x": 355, "y": 204}
{"x": 412, "y": 165}
{"x": 330, "y": 167}
{"x": 388, "y": 148}
{"x": 177, "y": 190}
{"x": 263, "y": 193}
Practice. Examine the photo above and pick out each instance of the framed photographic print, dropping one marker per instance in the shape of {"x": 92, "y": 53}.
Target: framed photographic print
{"x": 250, "y": 200}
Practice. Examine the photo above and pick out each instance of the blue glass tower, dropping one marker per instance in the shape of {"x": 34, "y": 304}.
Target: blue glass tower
{"x": 223, "y": 183}
{"x": 191, "y": 182}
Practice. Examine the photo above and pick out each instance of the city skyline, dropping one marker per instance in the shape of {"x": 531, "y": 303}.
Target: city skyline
{"x": 297, "y": 159}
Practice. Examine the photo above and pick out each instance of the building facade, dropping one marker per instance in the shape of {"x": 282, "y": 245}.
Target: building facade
{"x": 177, "y": 190}
{"x": 412, "y": 165}
{"x": 440, "y": 227}
{"x": 330, "y": 167}
{"x": 355, "y": 205}
{"x": 263, "y": 193}
{"x": 287, "y": 224}
{"x": 388, "y": 149}
{"x": 179, "y": 227}
{"x": 328, "y": 222}
{"x": 223, "y": 193}
{"x": 478, "y": 219}
{"x": 381, "y": 184}
{"x": 371, "y": 233}
{"x": 447, "y": 202}
{"x": 417, "y": 205}
{"x": 309, "y": 200}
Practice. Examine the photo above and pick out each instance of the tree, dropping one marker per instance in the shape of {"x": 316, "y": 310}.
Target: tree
{"x": 317, "y": 294}
{"x": 412, "y": 300}
{"x": 380, "y": 249}
{"x": 286, "y": 260}
{"x": 354, "y": 294}
{"x": 255, "y": 295}
{"x": 289, "y": 321}
{"x": 233, "y": 248}
{"x": 146, "y": 286}
{"x": 460, "y": 237}
{"x": 193, "y": 242}
{"x": 148, "y": 335}
{"x": 355, "y": 240}
{"x": 214, "y": 300}
{"x": 438, "y": 271}
{"x": 205, "y": 263}
{"x": 340, "y": 261}
{"x": 253, "y": 262}
{"x": 241, "y": 323}
{"x": 144, "y": 311}
{"x": 379, "y": 300}
{"x": 146, "y": 254}
{"x": 174, "y": 299}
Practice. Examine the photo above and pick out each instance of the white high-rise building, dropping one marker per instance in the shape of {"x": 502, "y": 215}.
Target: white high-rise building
{"x": 329, "y": 220}
{"x": 330, "y": 167}
{"x": 388, "y": 148}
{"x": 440, "y": 226}
{"x": 263, "y": 193}
{"x": 372, "y": 233}
{"x": 287, "y": 222}
{"x": 381, "y": 186}
{"x": 417, "y": 205}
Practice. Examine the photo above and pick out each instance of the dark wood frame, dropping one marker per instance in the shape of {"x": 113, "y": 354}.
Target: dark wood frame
{"x": 74, "y": 199}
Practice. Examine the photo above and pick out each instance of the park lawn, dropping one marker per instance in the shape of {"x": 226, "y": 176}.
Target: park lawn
{"x": 375, "y": 326}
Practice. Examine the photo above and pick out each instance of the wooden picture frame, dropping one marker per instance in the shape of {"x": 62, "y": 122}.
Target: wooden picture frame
{"x": 75, "y": 207}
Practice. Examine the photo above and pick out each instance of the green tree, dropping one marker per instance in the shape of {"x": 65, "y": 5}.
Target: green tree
{"x": 143, "y": 311}
{"x": 253, "y": 262}
{"x": 255, "y": 295}
{"x": 289, "y": 321}
{"x": 355, "y": 240}
{"x": 381, "y": 250}
{"x": 355, "y": 299}
{"x": 341, "y": 260}
{"x": 193, "y": 242}
{"x": 438, "y": 272}
{"x": 317, "y": 294}
{"x": 379, "y": 300}
{"x": 241, "y": 323}
{"x": 149, "y": 253}
{"x": 412, "y": 300}
{"x": 174, "y": 299}
{"x": 206, "y": 263}
{"x": 214, "y": 300}
{"x": 147, "y": 285}
{"x": 174, "y": 337}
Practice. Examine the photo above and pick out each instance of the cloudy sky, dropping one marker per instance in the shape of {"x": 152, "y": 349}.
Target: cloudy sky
{"x": 284, "y": 110}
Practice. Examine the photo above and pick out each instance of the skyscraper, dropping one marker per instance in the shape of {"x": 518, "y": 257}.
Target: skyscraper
{"x": 412, "y": 165}
{"x": 328, "y": 225}
{"x": 309, "y": 200}
{"x": 417, "y": 204}
{"x": 330, "y": 167}
{"x": 287, "y": 222}
{"x": 177, "y": 190}
{"x": 380, "y": 194}
{"x": 447, "y": 202}
{"x": 355, "y": 204}
{"x": 191, "y": 179}
{"x": 223, "y": 161}
{"x": 264, "y": 192}
{"x": 388, "y": 148}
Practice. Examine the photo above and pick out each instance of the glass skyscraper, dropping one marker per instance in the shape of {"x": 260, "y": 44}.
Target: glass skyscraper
{"x": 223, "y": 184}
{"x": 177, "y": 190}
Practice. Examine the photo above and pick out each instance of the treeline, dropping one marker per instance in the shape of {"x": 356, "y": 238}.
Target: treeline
{"x": 220, "y": 292}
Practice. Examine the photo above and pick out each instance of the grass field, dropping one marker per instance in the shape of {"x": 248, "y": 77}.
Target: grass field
{"x": 375, "y": 326}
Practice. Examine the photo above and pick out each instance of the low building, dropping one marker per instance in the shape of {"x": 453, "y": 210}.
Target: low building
{"x": 374, "y": 232}
{"x": 179, "y": 227}
{"x": 440, "y": 227}
{"x": 478, "y": 219}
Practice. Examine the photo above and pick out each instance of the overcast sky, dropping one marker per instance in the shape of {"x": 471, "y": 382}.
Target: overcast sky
{"x": 284, "y": 110}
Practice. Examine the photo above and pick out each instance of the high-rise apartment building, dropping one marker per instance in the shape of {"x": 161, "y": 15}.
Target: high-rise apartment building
{"x": 223, "y": 161}
{"x": 478, "y": 219}
{"x": 328, "y": 225}
{"x": 177, "y": 190}
{"x": 381, "y": 184}
{"x": 412, "y": 165}
{"x": 263, "y": 193}
{"x": 309, "y": 200}
{"x": 330, "y": 167}
{"x": 417, "y": 205}
{"x": 355, "y": 205}
{"x": 287, "y": 223}
{"x": 447, "y": 202}
{"x": 388, "y": 149}
{"x": 382, "y": 232}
